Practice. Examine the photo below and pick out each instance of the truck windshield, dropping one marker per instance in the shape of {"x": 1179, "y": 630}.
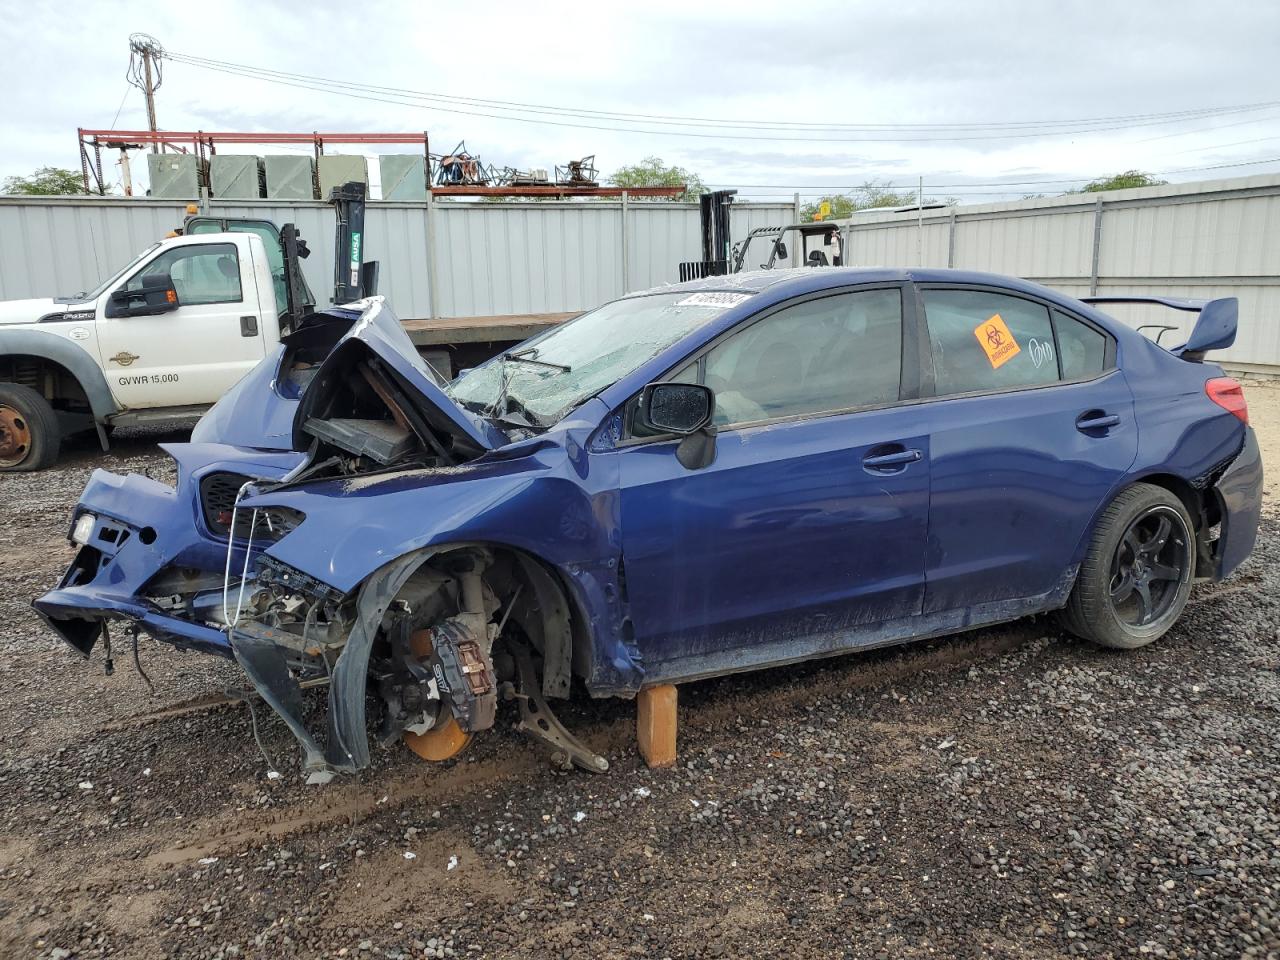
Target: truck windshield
{"x": 548, "y": 376}
{"x": 99, "y": 290}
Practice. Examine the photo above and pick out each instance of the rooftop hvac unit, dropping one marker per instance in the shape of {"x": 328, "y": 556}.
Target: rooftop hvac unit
{"x": 404, "y": 177}
{"x": 234, "y": 177}
{"x": 174, "y": 176}
{"x": 337, "y": 169}
{"x": 290, "y": 178}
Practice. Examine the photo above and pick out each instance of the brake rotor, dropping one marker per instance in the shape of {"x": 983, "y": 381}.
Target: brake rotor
{"x": 445, "y": 740}
{"x": 15, "y": 437}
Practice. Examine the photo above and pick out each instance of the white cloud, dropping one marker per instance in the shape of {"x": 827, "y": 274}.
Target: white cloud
{"x": 982, "y": 61}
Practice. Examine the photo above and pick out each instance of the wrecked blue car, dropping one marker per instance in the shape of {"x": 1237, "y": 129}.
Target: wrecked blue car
{"x": 724, "y": 475}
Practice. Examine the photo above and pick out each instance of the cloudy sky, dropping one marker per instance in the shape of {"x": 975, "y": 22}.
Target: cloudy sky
{"x": 983, "y": 98}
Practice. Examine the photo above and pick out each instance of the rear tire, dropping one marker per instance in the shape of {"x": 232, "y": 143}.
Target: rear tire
{"x": 1137, "y": 573}
{"x": 29, "y": 433}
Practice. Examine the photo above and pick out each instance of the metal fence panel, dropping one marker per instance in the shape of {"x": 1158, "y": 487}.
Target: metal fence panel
{"x": 489, "y": 258}
{"x": 526, "y": 258}
{"x": 662, "y": 234}
{"x": 1215, "y": 238}
{"x": 900, "y": 246}
{"x": 1049, "y": 245}
{"x": 1199, "y": 240}
{"x": 56, "y": 248}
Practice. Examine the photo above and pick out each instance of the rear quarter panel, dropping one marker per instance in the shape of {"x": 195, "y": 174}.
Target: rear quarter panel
{"x": 1180, "y": 430}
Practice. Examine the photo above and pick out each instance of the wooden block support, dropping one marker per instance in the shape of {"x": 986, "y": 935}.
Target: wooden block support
{"x": 656, "y": 725}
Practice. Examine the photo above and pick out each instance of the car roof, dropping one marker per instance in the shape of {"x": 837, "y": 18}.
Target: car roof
{"x": 800, "y": 280}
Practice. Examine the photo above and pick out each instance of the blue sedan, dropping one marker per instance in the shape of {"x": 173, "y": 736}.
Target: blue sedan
{"x": 724, "y": 475}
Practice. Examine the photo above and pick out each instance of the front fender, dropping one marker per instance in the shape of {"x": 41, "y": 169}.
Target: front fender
{"x": 558, "y": 505}
{"x": 82, "y": 366}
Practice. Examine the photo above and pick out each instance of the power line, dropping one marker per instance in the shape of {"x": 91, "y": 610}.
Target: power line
{"x": 966, "y": 187}
{"x": 127, "y": 88}
{"x": 1196, "y": 113}
{"x": 356, "y": 91}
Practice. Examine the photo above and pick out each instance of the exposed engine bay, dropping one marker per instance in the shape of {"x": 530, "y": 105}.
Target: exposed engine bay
{"x": 361, "y": 417}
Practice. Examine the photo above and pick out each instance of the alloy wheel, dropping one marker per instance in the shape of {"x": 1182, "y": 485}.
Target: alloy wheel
{"x": 1150, "y": 564}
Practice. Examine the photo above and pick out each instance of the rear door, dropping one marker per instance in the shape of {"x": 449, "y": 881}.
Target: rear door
{"x": 808, "y": 529}
{"x": 194, "y": 354}
{"x": 1032, "y": 428}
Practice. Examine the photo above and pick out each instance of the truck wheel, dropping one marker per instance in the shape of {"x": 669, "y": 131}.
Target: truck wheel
{"x": 29, "y": 434}
{"x": 1137, "y": 573}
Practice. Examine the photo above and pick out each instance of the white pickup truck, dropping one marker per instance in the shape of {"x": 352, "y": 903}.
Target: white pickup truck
{"x": 165, "y": 337}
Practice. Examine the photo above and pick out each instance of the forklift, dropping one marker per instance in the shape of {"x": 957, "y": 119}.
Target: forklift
{"x": 820, "y": 243}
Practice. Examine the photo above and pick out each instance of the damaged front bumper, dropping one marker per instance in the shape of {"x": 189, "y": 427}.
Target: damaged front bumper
{"x": 139, "y": 528}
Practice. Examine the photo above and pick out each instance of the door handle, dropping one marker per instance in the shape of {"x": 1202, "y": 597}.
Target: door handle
{"x": 249, "y": 326}
{"x": 1096, "y": 420}
{"x": 891, "y": 462}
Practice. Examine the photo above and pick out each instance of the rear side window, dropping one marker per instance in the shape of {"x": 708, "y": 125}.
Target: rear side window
{"x": 1082, "y": 350}
{"x": 984, "y": 341}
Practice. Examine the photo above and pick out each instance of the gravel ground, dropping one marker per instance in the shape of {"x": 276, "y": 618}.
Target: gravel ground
{"x": 1007, "y": 793}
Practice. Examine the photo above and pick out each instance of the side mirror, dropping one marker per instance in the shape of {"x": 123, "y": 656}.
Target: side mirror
{"x": 679, "y": 408}
{"x": 781, "y": 249}
{"x": 684, "y": 409}
{"x": 157, "y": 295}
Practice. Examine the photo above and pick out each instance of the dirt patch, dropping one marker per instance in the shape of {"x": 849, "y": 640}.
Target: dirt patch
{"x": 1006, "y": 793}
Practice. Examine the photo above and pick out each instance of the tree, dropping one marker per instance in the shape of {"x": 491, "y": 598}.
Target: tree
{"x": 870, "y": 196}
{"x": 45, "y": 182}
{"x": 1121, "y": 181}
{"x": 653, "y": 172}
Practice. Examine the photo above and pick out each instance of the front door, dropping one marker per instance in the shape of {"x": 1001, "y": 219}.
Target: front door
{"x": 194, "y": 354}
{"x": 1036, "y": 428}
{"x": 808, "y": 529}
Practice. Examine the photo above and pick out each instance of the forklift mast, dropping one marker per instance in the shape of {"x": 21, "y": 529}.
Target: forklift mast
{"x": 353, "y": 278}
{"x": 713, "y": 209}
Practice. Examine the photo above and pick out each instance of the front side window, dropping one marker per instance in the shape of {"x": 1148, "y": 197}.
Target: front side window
{"x": 819, "y": 356}
{"x": 546, "y": 377}
{"x": 983, "y": 341}
{"x": 208, "y": 273}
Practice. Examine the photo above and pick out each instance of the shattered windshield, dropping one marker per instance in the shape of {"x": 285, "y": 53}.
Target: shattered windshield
{"x": 548, "y": 376}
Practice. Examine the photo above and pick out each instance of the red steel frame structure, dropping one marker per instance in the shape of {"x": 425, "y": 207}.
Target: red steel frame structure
{"x": 204, "y": 144}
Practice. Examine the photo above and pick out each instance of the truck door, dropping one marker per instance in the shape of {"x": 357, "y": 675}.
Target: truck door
{"x": 194, "y": 353}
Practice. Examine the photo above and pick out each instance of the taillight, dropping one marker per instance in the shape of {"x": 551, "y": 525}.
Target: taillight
{"x": 1229, "y": 395}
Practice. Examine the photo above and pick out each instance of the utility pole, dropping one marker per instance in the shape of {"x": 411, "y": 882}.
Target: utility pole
{"x": 146, "y": 73}
{"x": 126, "y": 175}
{"x": 920, "y": 222}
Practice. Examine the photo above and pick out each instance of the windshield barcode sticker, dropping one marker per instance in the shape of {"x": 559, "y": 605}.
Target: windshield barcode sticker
{"x": 724, "y": 299}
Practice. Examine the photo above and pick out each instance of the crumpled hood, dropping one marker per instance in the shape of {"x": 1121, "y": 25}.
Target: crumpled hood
{"x": 31, "y": 311}
{"x": 379, "y": 330}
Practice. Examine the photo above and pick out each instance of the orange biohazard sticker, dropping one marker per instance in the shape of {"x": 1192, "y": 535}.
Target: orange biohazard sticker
{"x": 996, "y": 341}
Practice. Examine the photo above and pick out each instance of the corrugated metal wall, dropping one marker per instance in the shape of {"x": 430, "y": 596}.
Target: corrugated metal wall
{"x": 1197, "y": 240}
{"x": 483, "y": 258}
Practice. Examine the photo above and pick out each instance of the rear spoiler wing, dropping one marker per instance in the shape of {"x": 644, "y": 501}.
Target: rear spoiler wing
{"x": 1215, "y": 329}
